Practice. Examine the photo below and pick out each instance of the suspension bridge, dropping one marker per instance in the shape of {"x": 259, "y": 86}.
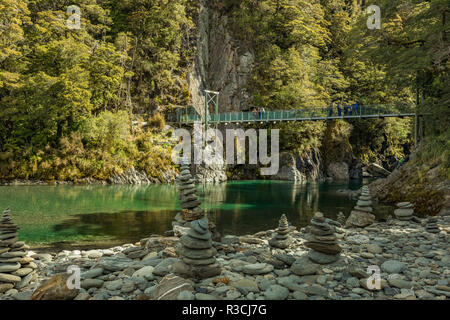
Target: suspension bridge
{"x": 211, "y": 116}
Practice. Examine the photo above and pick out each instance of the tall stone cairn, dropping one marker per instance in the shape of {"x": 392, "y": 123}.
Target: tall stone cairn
{"x": 361, "y": 215}
{"x": 16, "y": 269}
{"x": 322, "y": 241}
{"x": 404, "y": 211}
{"x": 197, "y": 255}
{"x": 282, "y": 240}
{"x": 190, "y": 204}
{"x": 364, "y": 202}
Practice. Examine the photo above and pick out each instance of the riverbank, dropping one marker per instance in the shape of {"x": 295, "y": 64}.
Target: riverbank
{"x": 427, "y": 186}
{"x": 414, "y": 265}
{"x": 74, "y": 216}
{"x": 131, "y": 176}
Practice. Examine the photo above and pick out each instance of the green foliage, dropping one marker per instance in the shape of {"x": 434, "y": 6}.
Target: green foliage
{"x": 287, "y": 36}
{"x": 63, "y": 93}
{"x": 157, "y": 30}
{"x": 154, "y": 153}
{"x": 108, "y": 130}
{"x": 14, "y": 14}
{"x": 336, "y": 146}
{"x": 384, "y": 141}
{"x": 66, "y": 96}
{"x": 301, "y": 137}
{"x": 410, "y": 57}
{"x": 157, "y": 121}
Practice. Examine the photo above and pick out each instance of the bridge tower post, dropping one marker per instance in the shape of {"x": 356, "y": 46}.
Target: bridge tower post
{"x": 211, "y": 100}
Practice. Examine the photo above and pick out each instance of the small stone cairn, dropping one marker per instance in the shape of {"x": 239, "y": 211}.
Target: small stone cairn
{"x": 432, "y": 226}
{"x": 341, "y": 218}
{"x": 322, "y": 241}
{"x": 16, "y": 269}
{"x": 197, "y": 256}
{"x": 190, "y": 204}
{"x": 404, "y": 211}
{"x": 282, "y": 240}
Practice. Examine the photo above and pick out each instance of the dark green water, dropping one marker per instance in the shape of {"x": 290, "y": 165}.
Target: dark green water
{"x": 64, "y": 215}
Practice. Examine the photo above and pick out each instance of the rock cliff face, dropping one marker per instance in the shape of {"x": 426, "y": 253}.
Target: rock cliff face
{"x": 300, "y": 169}
{"x": 338, "y": 171}
{"x": 220, "y": 64}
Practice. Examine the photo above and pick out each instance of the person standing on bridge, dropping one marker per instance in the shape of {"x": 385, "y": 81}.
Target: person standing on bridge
{"x": 255, "y": 112}
{"x": 263, "y": 112}
{"x": 339, "y": 110}
{"x": 356, "y": 108}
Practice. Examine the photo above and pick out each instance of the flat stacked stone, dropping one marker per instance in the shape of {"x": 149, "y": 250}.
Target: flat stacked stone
{"x": 322, "y": 241}
{"x": 341, "y": 218}
{"x": 361, "y": 215}
{"x": 190, "y": 204}
{"x": 404, "y": 211}
{"x": 282, "y": 240}
{"x": 432, "y": 226}
{"x": 15, "y": 266}
{"x": 197, "y": 255}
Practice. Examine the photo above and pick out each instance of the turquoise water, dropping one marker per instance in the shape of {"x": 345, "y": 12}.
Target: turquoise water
{"x": 64, "y": 215}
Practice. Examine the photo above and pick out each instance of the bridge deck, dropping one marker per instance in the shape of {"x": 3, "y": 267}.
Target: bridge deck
{"x": 300, "y": 115}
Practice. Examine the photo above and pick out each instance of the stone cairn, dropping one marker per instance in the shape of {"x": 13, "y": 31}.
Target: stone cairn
{"x": 404, "y": 211}
{"x": 341, "y": 218}
{"x": 190, "y": 204}
{"x": 16, "y": 269}
{"x": 364, "y": 201}
{"x": 361, "y": 215}
{"x": 432, "y": 226}
{"x": 282, "y": 240}
{"x": 197, "y": 255}
{"x": 322, "y": 241}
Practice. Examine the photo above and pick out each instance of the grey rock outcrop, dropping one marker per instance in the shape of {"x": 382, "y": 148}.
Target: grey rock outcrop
{"x": 377, "y": 171}
{"x": 338, "y": 171}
